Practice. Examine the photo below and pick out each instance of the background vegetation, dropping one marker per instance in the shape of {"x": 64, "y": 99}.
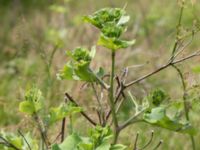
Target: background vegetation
{"x": 34, "y": 36}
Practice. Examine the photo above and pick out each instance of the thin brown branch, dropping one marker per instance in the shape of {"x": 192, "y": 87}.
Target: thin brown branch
{"x": 136, "y": 140}
{"x": 24, "y": 139}
{"x": 197, "y": 53}
{"x": 149, "y": 142}
{"x": 100, "y": 107}
{"x": 83, "y": 113}
{"x": 63, "y": 124}
{"x": 8, "y": 144}
{"x": 158, "y": 145}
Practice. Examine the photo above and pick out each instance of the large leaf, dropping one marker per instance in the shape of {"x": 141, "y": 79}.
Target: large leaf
{"x": 158, "y": 117}
{"x": 71, "y": 142}
{"x": 104, "y": 146}
{"x": 113, "y": 43}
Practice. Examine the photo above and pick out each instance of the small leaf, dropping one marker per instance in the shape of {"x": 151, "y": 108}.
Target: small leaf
{"x": 100, "y": 73}
{"x": 27, "y": 107}
{"x": 113, "y": 43}
{"x": 66, "y": 72}
{"x": 123, "y": 20}
{"x": 112, "y": 30}
{"x": 58, "y": 113}
{"x": 84, "y": 72}
{"x": 78, "y": 68}
{"x": 33, "y": 101}
{"x": 105, "y": 15}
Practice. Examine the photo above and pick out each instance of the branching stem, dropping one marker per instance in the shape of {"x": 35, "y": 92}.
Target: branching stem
{"x": 185, "y": 101}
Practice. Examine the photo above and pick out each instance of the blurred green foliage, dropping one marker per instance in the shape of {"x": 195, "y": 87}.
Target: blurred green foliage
{"x": 35, "y": 34}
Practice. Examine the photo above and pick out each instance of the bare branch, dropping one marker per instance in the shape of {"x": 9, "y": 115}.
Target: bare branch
{"x": 7, "y": 143}
{"x": 24, "y": 139}
{"x": 158, "y": 145}
{"x": 63, "y": 124}
{"x": 136, "y": 139}
{"x": 197, "y": 53}
{"x": 149, "y": 142}
{"x": 83, "y": 113}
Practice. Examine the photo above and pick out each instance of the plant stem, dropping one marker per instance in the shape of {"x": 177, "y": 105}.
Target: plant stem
{"x": 42, "y": 130}
{"x": 178, "y": 30}
{"x": 185, "y": 102}
{"x": 24, "y": 139}
{"x": 111, "y": 98}
{"x": 63, "y": 129}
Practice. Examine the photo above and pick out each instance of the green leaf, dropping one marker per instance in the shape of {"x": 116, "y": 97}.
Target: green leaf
{"x": 111, "y": 21}
{"x": 85, "y": 144}
{"x": 105, "y": 15}
{"x": 33, "y": 101}
{"x": 27, "y": 107}
{"x": 104, "y": 146}
{"x": 58, "y": 113}
{"x": 113, "y": 43}
{"x": 158, "y": 117}
{"x": 83, "y": 71}
{"x": 100, "y": 73}
{"x": 78, "y": 68}
{"x": 71, "y": 142}
{"x": 66, "y": 72}
{"x": 100, "y": 135}
{"x": 18, "y": 141}
{"x": 55, "y": 147}
{"x": 112, "y": 30}
{"x": 118, "y": 147}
